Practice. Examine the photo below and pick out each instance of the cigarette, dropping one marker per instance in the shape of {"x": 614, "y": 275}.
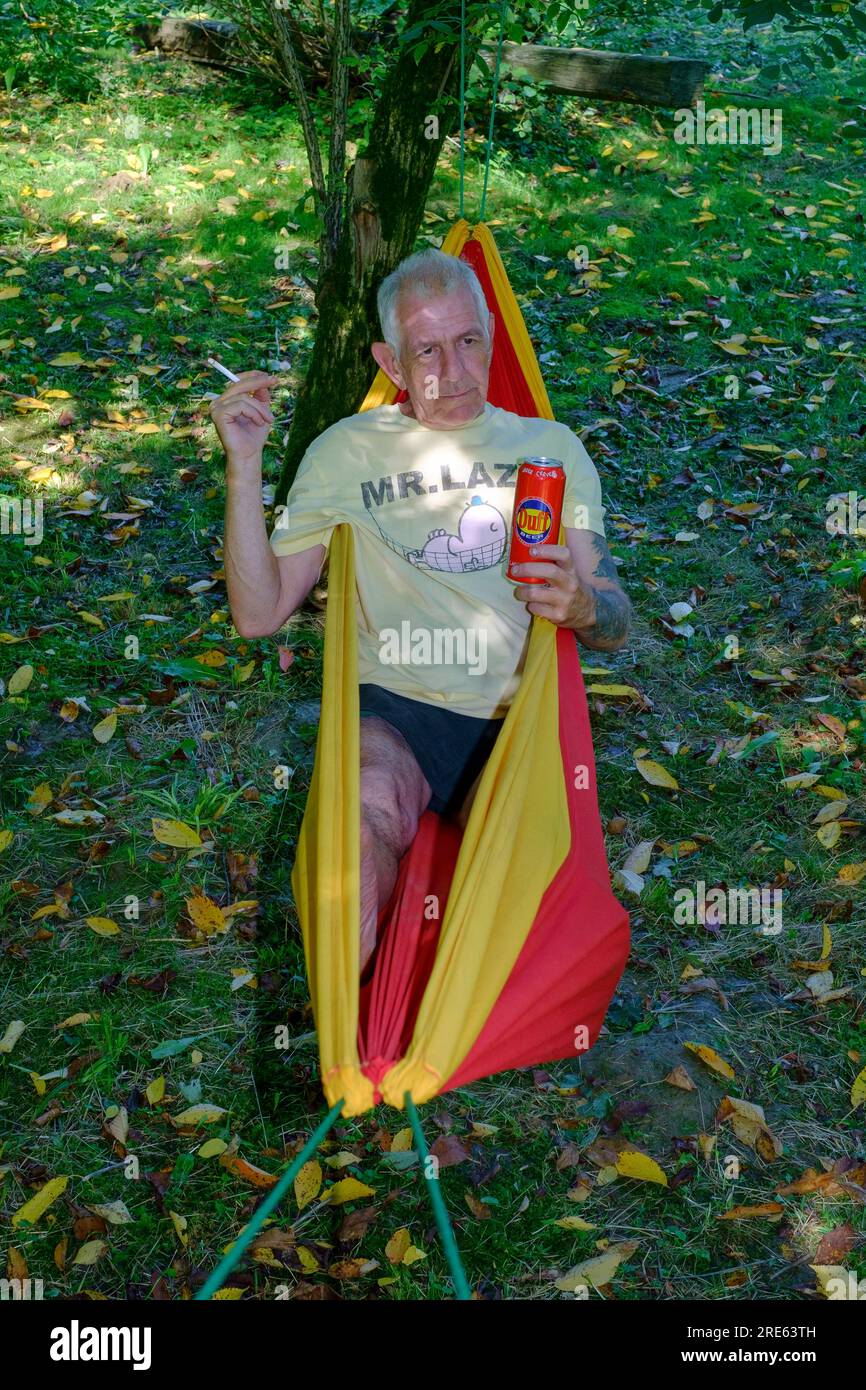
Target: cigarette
{"x": 212, "y": 362}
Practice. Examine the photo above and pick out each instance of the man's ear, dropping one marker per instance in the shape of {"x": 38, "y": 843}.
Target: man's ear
{"x": 386, "y": 359}
{"x": 491, "y": 324}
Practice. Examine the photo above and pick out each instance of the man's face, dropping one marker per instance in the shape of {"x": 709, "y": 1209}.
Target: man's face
{"x": 444, "y": 363}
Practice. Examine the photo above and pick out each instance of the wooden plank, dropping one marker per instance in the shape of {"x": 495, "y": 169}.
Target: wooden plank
{"x": 605, "y": 75}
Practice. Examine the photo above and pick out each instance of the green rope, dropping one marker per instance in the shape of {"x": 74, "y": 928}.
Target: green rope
{"x": 462, "y": 90}
{"x": 440, "y": 1211}
{"x": 228, "y": 1262}
{"x": 503, "y": 10}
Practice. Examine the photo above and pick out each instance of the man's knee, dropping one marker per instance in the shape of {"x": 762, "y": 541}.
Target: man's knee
{"x": 394, "y": 791}
{"x": 387, "y": 812}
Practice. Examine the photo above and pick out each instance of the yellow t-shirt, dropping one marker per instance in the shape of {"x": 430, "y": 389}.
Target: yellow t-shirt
{"x": 431, "y": 517}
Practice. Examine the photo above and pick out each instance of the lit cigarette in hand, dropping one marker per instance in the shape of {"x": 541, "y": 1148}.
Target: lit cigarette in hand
{"x": 218, "y": 366}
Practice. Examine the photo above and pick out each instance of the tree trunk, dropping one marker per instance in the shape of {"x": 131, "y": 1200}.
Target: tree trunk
{"x": 383, "y": 200}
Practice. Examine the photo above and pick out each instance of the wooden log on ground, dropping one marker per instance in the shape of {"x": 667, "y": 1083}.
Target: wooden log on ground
{"x": 606, "y": 76}
{"x": 201, "y": 40}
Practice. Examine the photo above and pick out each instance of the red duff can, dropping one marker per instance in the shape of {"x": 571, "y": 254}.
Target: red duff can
{"x": 537, "y": 511}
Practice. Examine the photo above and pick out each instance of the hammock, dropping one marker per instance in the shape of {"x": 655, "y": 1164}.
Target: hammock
{"x": 520, "y": 961}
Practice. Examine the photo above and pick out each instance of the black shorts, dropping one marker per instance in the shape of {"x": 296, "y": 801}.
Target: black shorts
{"x": 450, "y": 748}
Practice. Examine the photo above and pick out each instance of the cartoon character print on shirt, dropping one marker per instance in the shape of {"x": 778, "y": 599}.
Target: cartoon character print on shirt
{"x": 478, "y": 544}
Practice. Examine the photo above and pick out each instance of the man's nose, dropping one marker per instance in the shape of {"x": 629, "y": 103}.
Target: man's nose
{"x": 452, "y": 364}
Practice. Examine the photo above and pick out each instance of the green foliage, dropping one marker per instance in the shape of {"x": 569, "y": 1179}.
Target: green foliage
{"x": 61, "y": 48}
{"x": 830, "y": 31}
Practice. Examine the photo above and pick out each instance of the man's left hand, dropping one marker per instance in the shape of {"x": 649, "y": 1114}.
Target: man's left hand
{"x": 563, "y": 599}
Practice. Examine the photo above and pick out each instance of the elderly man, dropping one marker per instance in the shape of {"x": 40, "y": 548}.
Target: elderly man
{"x": 428, "y": 488}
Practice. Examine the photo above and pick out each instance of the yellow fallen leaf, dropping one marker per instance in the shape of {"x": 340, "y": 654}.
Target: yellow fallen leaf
{"x": 711, "y": 1058}
{"x": 205, "y": 914}
{"x": 155, "y": 1090}
{"x": 67, "y": 359}
{"x": 103, "y": 731}
{"x": 858, "y": 1090}
{"x": 308, "y": 1183}
{"x": 92, "y": 619}
{"x": 179, "y": 1223}
{"x": 117, "y": 1123}
{"x": 212, "y": 1148}
{"x": 597, "y": 1271}
{"x": 91, "y": 1252}
{"x": 750, "y": 1126}
{"x": 347, "y": 1190}
{"x": 39, "y": 798}
{"x": 115, "y": 1213}
{"x": 199, "y": 1115}
{"x": 6, "y": 838}
{"x": 79, "y": 817}
{"x": 175, "y": 833}
{"x": 398, "y": 1245}
{"x": 655, "y": 774}
{"x": 19, "y": 680}
{"x": 614, "y": 692}
{"x": 103, "y": 926}
{"x": 38, "y": 1205}
{"x": 402, "y": 1141}
{"x": 631, "y": 1163}
{"x": 12, "y": 1034}
{"x": 829, "y": 834}
{"x": 575, "y": 1223}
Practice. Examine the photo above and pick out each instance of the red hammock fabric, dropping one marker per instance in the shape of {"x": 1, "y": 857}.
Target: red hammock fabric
{"x": 566, "y": 974}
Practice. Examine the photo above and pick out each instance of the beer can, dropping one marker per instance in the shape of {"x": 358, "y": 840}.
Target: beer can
{"x": 537, "y": 511}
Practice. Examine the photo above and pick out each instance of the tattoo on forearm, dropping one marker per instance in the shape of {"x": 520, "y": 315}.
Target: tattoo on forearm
{"x": 605, "y": 567}
{"x": 612, "y": 613}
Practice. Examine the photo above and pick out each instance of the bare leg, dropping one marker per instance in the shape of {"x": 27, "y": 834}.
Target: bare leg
{"x": 394, "y": 796}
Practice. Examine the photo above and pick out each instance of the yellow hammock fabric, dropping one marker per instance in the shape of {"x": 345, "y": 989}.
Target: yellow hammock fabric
{"x": 514, "y": 843}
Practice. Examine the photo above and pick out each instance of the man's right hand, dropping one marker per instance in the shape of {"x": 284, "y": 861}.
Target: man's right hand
{"x": 243, "y": 417}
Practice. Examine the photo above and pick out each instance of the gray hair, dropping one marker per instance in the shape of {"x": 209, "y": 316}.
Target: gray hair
{"x": 427, "y": 274}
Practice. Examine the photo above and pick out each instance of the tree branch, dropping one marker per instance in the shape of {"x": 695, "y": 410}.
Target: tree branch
{"x": 333, "y": 219}
{"x": 290, "y": 63}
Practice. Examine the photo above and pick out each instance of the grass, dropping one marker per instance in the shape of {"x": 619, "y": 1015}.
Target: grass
{"x": 178, "y": 205}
